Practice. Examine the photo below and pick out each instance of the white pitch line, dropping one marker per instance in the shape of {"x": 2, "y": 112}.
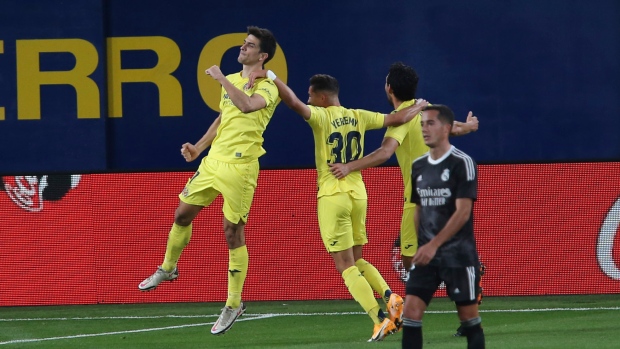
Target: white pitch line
{"x": 262, "y": 316}
{"x": 110, "y": 318}
{"x": 296, "y": 314}
{"x": 172, "y": 316}
{"x": 545, "y": 310}
{"x": 247, "y": 317}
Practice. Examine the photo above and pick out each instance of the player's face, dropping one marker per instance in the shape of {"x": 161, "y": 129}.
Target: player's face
{"x": 250, "y": 51}
{"x": 433, "y": 131}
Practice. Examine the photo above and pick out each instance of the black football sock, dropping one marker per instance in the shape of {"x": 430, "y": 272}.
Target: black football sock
{"x": 472, "y": 328}
{"x": 412, "y": 334}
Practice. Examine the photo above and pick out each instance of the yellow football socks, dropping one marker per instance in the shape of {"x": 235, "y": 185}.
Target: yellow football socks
{"x": 237, "y": 271}
{"x": 372, "y": 275}
{"x": 361, "y": 292}
{"x": 177, "y": 240}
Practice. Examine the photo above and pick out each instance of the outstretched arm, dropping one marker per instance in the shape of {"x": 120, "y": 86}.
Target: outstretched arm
{"x": 290, "y": 99}
{"x": 405, "y": 115}
{"x": 245, "y": 103}
{"x": 376, "y": 158}
{"x": 286, "y": 94}
{"x": 463, "y": 128}
{"x": 191, "y": 151}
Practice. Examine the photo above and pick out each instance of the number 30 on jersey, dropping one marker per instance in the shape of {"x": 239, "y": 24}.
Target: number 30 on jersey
{"x": 345, "y": 148}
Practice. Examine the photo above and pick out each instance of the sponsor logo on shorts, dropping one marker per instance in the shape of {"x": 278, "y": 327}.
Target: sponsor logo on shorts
{"x": 185, "y": 192}
{"x": 333, "y": 243}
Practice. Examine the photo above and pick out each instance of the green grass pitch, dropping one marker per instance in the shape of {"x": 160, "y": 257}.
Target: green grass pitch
{"x": 509, "y": 322}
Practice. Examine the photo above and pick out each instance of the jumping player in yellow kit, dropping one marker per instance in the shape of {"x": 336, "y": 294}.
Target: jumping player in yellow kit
{"x": 339, "y": 138}
{"x": 230, "y": 169}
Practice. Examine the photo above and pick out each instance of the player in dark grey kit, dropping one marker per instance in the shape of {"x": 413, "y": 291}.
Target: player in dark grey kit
{"x": 445, "y": 184}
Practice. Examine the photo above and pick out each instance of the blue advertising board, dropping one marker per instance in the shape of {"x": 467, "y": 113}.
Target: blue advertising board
{"x": 97, "y": 86}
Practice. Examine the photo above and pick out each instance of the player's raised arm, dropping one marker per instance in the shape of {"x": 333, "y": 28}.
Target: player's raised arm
{"x": 290, "y": 99}
{"x": 286, "y": 94}
{"x": 405, "y": 115}
{"x": 463, "y": 128}
{"x": 191, "y": 151}
{"x": 245, "y": 103}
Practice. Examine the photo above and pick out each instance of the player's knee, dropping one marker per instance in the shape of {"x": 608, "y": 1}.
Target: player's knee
{"x": 234, "y": 235}
{"x": 467, "y": 310}
{"x": 183, "y": 218}
{"x": 413, "y": 311}
{"x": 343, "y": 260}
{"x": 185, "y": 213}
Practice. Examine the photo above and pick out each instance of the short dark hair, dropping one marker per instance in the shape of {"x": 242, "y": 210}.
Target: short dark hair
{"x": 444, "y": 113}
{"x": 324, "y": 83}
{"x": 267, "y": 41}
{"x": 403, "y": 80}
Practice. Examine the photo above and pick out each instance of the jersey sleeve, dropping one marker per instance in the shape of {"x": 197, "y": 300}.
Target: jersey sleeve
{"x": 398, "y": 132}
{"x": 372, "y": 119}
{"x": 414, "y": 198}
{"x": 318, "y": 115}
{"x": 467, "y": 176}
{"x": 268, "y": 90}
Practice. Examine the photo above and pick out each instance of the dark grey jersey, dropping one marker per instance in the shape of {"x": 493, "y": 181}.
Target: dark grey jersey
{"x": 436, "y": 186}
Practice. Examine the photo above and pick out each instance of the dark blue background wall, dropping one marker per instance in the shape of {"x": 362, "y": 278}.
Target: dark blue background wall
{"x": 542, "y": 76}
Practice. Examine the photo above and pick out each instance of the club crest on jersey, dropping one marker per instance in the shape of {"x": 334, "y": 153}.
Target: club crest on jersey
{"x": 185, "y": 192}
{"x": 419, "y": 178}
{"x": 445, "y": 175}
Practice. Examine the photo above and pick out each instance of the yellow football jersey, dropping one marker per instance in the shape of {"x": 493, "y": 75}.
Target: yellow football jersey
{"x": 339, "y": 138}
{"x": 412, "y": 146}
{"x": 239, "y": 137}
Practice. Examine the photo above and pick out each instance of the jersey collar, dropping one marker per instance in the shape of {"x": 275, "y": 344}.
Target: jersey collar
{"x": 404, "y": 105}
{"x": 435, "y": 162}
